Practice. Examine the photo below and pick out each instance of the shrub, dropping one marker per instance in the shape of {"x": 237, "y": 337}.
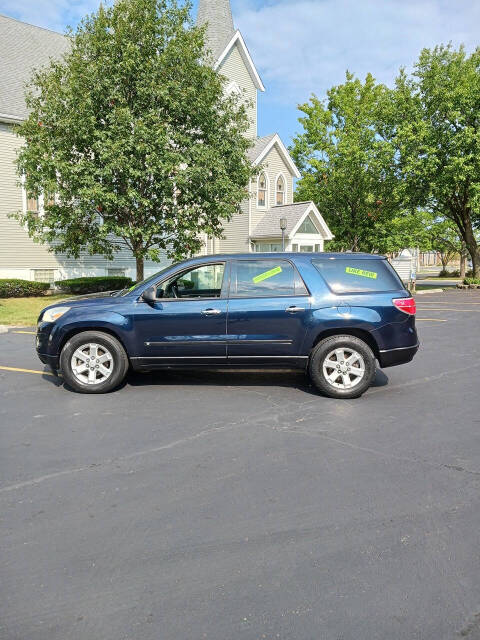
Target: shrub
{"x": 471, "y": 281}
{"x": 445, "y": 273}
{"x": 16, "y": 288}
{"x": 94, "y": 285}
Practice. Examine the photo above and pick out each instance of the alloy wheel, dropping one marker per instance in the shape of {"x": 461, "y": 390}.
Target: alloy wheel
{"x": 92, "y": 363}
{"x": 344, "y": 368}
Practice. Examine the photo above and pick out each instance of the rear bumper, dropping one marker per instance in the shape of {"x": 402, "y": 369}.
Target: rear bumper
{"x": 400, "y": 355}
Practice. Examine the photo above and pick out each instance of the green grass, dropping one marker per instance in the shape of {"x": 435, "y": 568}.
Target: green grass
{"x": 425, "y": 287}
{"x": 23, "y": 312}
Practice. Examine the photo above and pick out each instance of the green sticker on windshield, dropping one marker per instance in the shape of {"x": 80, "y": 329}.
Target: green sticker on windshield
{"x": 133, "y": 287}
{"x": 267, "y": 274}
{"x": 361, "y": 272}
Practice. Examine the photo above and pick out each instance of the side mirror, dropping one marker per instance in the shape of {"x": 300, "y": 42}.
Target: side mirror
{"x": 149, "y": 295}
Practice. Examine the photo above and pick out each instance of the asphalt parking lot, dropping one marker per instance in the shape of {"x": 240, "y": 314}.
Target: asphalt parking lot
{"x": 242, "y": 505}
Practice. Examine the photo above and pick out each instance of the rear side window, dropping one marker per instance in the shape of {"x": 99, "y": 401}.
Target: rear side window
{"x": 265, "y": 279}
{"x": 352, "y": 276}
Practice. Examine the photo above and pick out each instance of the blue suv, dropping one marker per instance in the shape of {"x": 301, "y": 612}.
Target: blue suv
{"x": 333, "y": 314}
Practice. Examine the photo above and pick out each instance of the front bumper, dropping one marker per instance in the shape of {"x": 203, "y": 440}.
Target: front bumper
{"x": 400, "y": 355}
{"x": 43, "y": 343}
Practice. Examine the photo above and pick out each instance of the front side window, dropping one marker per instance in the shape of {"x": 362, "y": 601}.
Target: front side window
{"x": 262, "y": 190}
{"x": 203, "y": 281}
{"x": 265, "y": 279}
{"x": 280, "y": 189}
{"x": 358, "y": 276}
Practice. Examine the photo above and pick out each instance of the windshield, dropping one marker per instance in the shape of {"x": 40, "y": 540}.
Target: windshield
{"x": 152, "y": 279}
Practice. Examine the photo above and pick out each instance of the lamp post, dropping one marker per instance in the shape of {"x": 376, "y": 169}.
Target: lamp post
{"x": 283, "y": 226}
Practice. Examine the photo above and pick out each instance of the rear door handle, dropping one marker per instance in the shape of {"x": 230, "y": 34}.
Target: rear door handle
{"x": 294, "y": 309}
{"x": 211, "y": 312}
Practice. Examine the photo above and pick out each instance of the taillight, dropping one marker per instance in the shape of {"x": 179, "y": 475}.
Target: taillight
{"x": 407, "y": 305}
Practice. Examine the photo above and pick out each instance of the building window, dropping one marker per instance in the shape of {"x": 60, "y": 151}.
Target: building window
{"x": 262, "y": 190}
{"x": 115, "y": 272}
{"x": 280, "y": 191}
{"x": 308, "y": 226}
{"x": 33, "y": 205}
{"x": 44, "y": 275}
{"x": 268, "y": 247}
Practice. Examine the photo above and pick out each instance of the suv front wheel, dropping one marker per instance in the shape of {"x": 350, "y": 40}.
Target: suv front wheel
{"x": 93, "y": 362}
{"x": 342, "y": 366}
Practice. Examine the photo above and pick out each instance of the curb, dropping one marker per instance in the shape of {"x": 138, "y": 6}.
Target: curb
{"x": 5, "y": 328}
{"x": 420, "y": 293}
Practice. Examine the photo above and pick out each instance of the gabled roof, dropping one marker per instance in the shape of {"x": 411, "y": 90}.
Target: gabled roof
{"x": 269, "y": 225}
{"x": 23, "y": 47}
{"x": 262, "y": 147}
{"x": 240, "y": 42}
{"x": 217, "y": 15}
{"x": 259, "y": 146}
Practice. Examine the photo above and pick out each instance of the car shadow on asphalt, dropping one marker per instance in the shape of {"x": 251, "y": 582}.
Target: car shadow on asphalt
{"x": 234, "y": 378}
{"x": 217, "y": 378}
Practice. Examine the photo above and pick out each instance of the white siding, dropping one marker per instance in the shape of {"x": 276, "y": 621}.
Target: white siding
{"x": 236, "y": 233}
{"x": 19, "y": 255}
{"x": 235, "y": 70}
{"x": 17, "y": 250}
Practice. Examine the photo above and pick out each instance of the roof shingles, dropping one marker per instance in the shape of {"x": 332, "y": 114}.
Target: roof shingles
{"x": 23, "y": 48}
{"x": 269, "y": 225}
{"x": 217, "y": 14}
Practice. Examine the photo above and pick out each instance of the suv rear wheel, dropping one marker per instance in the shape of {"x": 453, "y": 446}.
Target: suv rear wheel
{"x": 342, "y": 366}
{"x": 93, "y": 362}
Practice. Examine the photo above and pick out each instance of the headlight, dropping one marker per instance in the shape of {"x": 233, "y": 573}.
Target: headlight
{"x": 50, "y": 315}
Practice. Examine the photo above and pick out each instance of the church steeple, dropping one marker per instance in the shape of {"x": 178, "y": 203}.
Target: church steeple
{"x": 220, "y": 30}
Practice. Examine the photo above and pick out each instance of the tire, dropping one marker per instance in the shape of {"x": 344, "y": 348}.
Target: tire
{"x": 355, "y": 370}
{"x": 110, "y": 362}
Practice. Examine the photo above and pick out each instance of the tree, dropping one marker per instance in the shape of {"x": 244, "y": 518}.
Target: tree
{"x": 348, "y": 163}
{"x": 405, "y": 230}
{"x": 134, "y": 135}
{"x": 437, "y": 113}
{"x": 445, "y": 239}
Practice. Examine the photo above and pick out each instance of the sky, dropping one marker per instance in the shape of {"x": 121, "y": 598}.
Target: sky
{"x": 302, "y": 47}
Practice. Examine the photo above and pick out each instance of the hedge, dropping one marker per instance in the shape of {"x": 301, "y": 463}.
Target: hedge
{"x": 94, "y": 285}
{"x": 16, "y": 288}
{"x": 471, "y": 281}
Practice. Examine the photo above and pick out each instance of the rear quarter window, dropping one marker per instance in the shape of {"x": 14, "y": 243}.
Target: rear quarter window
{"x": 358, "y": 276}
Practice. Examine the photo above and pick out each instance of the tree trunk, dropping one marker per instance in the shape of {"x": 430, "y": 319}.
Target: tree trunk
{"x": 473, "y": 250}
{"x": 476, "y": 263}
{"x": 140, "y": 268}
{"x": 463, "y": 261}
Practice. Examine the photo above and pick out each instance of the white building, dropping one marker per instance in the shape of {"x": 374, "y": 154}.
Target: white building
{"x": 24, "y": 47}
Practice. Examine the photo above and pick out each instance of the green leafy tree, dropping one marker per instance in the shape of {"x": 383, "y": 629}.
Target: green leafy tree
{"x": 437, "y": 114}
{"x": 446, "y": 240}
{"x": 134, "y": 135}
{"x": 347, "y": 161}
{"x": 405, "y": 230}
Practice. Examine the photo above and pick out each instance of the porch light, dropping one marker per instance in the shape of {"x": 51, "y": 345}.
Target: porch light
{"x": 283, "y": 226}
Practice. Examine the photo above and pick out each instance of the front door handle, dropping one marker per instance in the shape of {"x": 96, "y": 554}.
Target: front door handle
{"x": 211, "y": 312}
{"x": 294, "y": 309}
